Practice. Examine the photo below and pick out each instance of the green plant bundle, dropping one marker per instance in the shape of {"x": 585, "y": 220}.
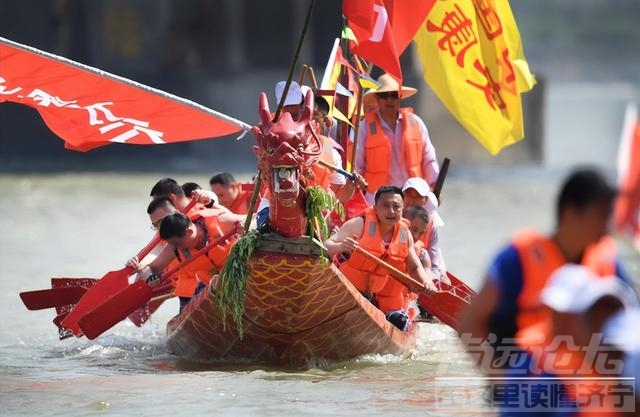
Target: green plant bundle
{"x": 316, "y": 202}
{"x": 232, "y": 282}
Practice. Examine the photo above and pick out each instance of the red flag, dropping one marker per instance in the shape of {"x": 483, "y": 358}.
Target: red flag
{"x": 627, "y": 209}
{"x": 406, "y": 17}
{"x": 369, "y": 21}
{"x": 89, "y": 108}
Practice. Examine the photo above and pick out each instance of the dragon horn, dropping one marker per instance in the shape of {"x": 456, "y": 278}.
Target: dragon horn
{"x": 307, "y": 111}
{"x": 263, "y": 109}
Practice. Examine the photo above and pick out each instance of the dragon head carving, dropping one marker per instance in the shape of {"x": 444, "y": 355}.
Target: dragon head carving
{"x": 286, "y": 149}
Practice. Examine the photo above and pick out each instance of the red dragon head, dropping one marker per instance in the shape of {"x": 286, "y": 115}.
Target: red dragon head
{"x": 286, "y": 149}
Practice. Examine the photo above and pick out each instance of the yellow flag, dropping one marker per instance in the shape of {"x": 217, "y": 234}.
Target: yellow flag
{"x": 473, "y": 60}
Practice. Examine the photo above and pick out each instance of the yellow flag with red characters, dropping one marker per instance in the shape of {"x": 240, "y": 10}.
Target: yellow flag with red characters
{"x": 473, "y": 60}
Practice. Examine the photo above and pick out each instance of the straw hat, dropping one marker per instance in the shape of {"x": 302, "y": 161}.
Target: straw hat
{"x": 389, "y": 84}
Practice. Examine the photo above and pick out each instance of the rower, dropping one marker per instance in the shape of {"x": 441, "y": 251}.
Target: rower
{"x": 187, "y": 236}
{"x": 381, "y": 232}
{"x": 230, "y": 193}
{"x": 417, "y": 193}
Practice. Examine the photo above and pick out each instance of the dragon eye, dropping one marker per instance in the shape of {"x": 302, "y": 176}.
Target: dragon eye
{"x": 270, "y": 150}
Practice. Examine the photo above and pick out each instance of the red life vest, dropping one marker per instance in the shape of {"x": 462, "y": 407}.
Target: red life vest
{"x": 378, "y": 149}
{"x": 367, "y": 275}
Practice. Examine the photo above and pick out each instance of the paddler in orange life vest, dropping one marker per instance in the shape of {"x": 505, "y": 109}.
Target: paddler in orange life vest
{"x": 168, "y": 187}
{"x": 393, "y": 143}
{"x": 230, "y": 193}
{"x": 164, "y": 256}
{"x": 188, "y": 235}
{"x": 509, "y": 300}
{"x": 417, "y": 193}
{"x": 417, "y": 221}
{"x": 381, "y": 232}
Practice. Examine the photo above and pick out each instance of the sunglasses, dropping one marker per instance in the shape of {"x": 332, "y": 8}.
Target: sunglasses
{"x": 390, "y": 95}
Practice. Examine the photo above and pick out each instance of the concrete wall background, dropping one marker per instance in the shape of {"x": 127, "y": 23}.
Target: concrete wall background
{"x": 222, "y": 53}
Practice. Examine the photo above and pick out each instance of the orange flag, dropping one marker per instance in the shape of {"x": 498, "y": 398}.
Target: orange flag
{"x": 89, "y": 108}
{"x": 627, "y": 210}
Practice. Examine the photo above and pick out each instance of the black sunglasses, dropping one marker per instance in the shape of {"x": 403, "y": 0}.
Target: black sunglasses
{"x": 388, "y": 95}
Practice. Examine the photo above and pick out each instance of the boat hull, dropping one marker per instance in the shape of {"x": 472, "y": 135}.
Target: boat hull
{"x": 299, "y": 310}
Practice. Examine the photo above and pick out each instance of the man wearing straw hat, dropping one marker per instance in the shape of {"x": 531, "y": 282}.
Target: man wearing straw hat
{"x": 393, "y": 143}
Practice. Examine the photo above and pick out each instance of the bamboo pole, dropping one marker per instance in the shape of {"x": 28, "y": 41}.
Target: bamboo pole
{"x": 256, "y": 190}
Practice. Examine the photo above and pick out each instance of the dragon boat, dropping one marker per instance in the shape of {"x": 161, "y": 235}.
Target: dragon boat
{"x": 279, "y": 299}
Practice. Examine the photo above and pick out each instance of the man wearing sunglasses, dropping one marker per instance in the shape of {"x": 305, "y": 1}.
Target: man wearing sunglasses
{"x": 393, "y": 143}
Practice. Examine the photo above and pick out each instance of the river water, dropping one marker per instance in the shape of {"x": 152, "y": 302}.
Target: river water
{"x": 83, "y": 225}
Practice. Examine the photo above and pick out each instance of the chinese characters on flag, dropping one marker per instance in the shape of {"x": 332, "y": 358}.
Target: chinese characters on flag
{"x": 89, "y": 108}
{"x": 473, "y": 60}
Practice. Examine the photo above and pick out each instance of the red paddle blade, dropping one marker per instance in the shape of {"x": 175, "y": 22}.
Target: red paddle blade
{"x": 62, "y": 332}
{"x": 142, "y": 314}
{"x": 462, "y": 289}
{"x": 115, "y": 309}
{"x": 111, "y": 283}
{"x": 51, "y": 298}
{"x": 444, "y": 305}
{"x": 72, "y": 282}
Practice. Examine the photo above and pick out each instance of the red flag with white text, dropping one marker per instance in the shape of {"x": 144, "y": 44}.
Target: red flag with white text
{"x": 369, "y": 22}
{"x": 89, "y": 108}
{"x": 627, "y": 208}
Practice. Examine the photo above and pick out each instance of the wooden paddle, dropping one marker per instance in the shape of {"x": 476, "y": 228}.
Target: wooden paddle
{"x": 63, "y": 291}
{"x": 448, "y": 303}
{"x": 444, "y": 304}
{"x": 360, "y": 181}
{"x": 53, "y": 297}
{"x": 437, "y": 188}
{"x": 111, "y": 283}
{"x": 124, "y": 302}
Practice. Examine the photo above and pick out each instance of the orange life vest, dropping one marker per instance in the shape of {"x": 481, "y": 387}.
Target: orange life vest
{"x": 423, "y": 242}
{"x": 540, "y": 257}
{"x": 378, "y": 149}
{"x": 549, "y": 356}
{"x": 367, "y": 275}
{"x": 185, "y": 283}
{"x": 241, "y": 204}
{"x": 209, "y": 264}
{"x": 323, "y": 174}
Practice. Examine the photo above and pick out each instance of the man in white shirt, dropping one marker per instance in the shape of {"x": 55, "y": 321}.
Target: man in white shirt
{"x": 393, "y": 143}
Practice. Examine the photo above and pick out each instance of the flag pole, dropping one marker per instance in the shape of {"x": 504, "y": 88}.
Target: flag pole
{"x": 342, "y": 102}
{"x": 292, "y": 67}
{"x": 356, "y": 124}
{"x": 294, "y": 62}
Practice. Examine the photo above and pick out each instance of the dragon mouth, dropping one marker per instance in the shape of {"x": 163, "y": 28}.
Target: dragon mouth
{"x": 285, "y": 179}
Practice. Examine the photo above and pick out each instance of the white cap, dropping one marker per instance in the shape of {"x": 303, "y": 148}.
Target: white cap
{"x": 574, "y": 289}
{"x": 621, "y": 330}
{"x": 417, "y": 184}
{"x": 295, "y": 95}
{"x": 423, "y": 189}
